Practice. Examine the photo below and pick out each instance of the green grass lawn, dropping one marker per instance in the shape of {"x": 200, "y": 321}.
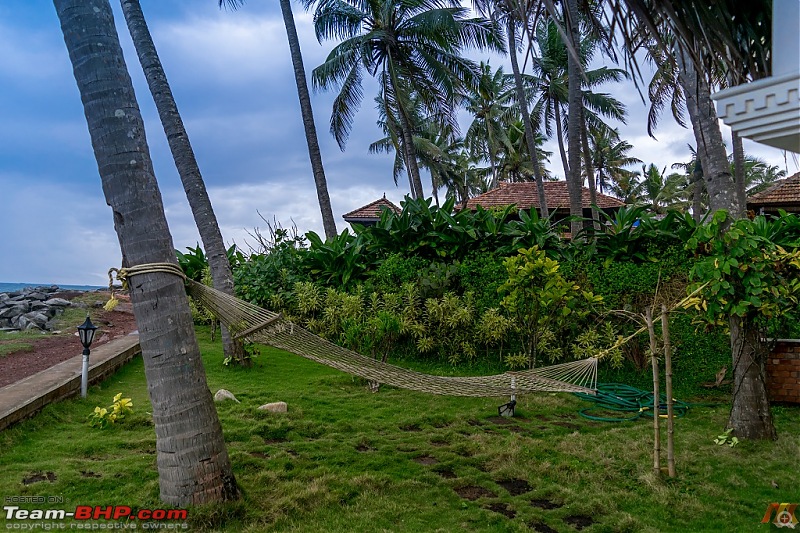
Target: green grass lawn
{"x": 344, "y": 459}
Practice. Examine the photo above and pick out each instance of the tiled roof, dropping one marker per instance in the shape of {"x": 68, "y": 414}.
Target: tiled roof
{"x": 784, "y": 193}
{"x": 525, "y": 196}
{"x": 371, "y": 211}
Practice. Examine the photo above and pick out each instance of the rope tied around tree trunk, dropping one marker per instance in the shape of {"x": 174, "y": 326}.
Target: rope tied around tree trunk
{"x": 125, "y": 273}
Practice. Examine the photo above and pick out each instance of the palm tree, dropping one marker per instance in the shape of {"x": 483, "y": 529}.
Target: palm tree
{"x": 731, "y": 35}
{"x": 432, "y": 138}
{"x": 610, "y": 157}
{"x": 660, "y": 191}
{"x": 491, "y": 105}
{"x": 192, "y": 460}
{"x": 513, "y": 162}
{"x": 695, "y": 190}
{"x": 758, "y": 174}
{"x": 186, "y": 163}
{"x": 328, "y": 222}
{"x": 751, "y": 415}
{"x": 514, "y": 13}
{"x": 549, "y": 81}
{"x": 411, "y": 46}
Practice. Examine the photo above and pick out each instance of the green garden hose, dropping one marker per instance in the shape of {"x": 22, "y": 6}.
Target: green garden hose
{"x": 620, "y": 398}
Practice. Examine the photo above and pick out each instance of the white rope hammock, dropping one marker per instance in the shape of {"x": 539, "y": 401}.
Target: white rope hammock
{"x": 247, "y": 321}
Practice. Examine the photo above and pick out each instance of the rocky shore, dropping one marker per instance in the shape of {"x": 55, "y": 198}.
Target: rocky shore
{"x": 33, "y": 308}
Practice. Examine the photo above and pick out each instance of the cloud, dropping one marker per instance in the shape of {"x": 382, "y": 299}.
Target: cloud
{"x": 240, "y": 208}
{"x": 32, "y": 55}
{"x": 55, "y": 234}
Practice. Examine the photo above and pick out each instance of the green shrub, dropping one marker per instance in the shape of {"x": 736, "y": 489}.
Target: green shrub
{"x": 268, "y": 278}
{"x": 482, "y": 274}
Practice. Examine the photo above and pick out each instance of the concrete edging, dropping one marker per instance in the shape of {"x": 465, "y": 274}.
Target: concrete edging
{"x": 30, "y": 395}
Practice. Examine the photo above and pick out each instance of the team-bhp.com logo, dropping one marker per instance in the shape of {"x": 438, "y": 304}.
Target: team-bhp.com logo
{"x": 157, "y": 517}
{"x": 783, "y": 513}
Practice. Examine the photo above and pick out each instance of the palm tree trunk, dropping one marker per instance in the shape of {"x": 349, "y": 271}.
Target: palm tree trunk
{"x": 407, "y": 134}
{"x": 574, "y": 120}
{"x": 411, "y": 157}
{"x": 328, "y": 223}
{"x": 738, "y": 169}
{"x": 587, "y": 163}
{"x": 186, "y": 163}
{"x": 192, "y": 460}
{"x": 750, "y": 415}
{"x": 697, "y": 190}
{"x": 710, "y": 148}
{"x": 560, "y": 137}
{"x": 526, "y": 121}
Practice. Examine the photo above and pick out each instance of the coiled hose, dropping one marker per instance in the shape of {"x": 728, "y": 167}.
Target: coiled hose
{"x": 621, "y": 398}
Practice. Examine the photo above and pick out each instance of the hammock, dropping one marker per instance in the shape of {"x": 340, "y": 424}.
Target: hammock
{"x": 246, "y": 321}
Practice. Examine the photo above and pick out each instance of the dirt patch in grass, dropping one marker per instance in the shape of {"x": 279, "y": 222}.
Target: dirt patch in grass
{"x": 410, "y": 427}
{"x": 364, "y": 448}
{"x": 446, "y": 473}
{"x": 274, "y": 441}
{"x": 260, "y": 455}
{"x": 515, "y": 487}
{"x": 426, "y": 460}
{"x": 579, "y": 521}
{"x": 90, "y": 474}
{"x": 544, "y": 503}
{"x": 473, "y": 492}
{"x": 567, "y": 425}
{"x": 39, "y": 476}
{"x": 439, "y": 443}
{"x": 541, "y": 527}
{"x": 503, "y": 509}
{"x": 484, "y": 467}
{"x": 501, "y": 420}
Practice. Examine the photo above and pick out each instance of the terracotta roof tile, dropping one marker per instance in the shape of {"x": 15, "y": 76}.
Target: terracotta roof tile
{"x": 785, "y": 192}
{"x": 525, "y": 196}
{"x": 371, "y": 211}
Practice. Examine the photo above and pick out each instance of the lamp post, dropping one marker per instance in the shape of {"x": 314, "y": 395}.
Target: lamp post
{"x": 86, "y": 334}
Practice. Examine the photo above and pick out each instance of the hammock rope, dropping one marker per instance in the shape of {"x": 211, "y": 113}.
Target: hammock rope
{"x": 247, "y": 321}
{"x": 255, "y": 324}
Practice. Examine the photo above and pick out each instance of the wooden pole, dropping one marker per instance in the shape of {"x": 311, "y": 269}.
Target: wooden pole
{"x": 656, "y": 422}
{"x": 668, "y": 379}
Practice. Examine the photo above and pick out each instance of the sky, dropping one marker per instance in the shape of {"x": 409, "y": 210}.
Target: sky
{"x": 232, "y": 78}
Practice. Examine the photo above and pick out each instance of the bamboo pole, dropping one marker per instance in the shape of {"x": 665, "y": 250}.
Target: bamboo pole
{"x": 668, "y": 379}
{"x": 656, "y": 422}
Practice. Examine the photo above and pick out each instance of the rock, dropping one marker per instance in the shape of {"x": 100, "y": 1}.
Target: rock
{"x": 36, "y": 295}
{"x": 39, "y": 306}
{"x": 9, "y": 330}
{"x": 36, "y": 318}
{"x": 58, "y": 302}
{"x": 274, "y": 407}
{"x": 223, "y": 395}
{"x": 21, "y": 322}
{"x": 14, "y": 311}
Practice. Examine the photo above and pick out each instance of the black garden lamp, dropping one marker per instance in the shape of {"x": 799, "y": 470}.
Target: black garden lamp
{"x": 86, "y": 334}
